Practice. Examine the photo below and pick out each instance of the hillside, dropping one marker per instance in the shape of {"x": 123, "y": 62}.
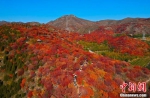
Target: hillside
{"x": 117, "y": 22}
{"x": 40, "y": 61}
{"x": 128, "y": 25}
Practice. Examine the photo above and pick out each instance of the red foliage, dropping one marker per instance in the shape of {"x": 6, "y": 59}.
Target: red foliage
{"x": 98, "y": 36}
{"x": 23, "y": 83}
{"x": 85, "y": 92}
{"x": 10, "y": 75}
{"x": 123, "y": 44}
{"x": 126, "y": 44}
{"x": 113, "y": 95}
{"x": 32, "y": 74}
{"x": 118, "y": 80}
{"x": 30, "y": 94}
{"x": 20, "y": 72}
{"x": 146, "y": 71}
{"x": 61, "y": 68}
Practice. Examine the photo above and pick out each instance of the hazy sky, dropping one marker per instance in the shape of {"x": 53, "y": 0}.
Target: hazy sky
{"x": 46, "y": 10}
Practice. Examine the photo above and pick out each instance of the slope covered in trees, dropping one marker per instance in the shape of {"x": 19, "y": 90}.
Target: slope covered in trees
{"x": 44, "y": 62}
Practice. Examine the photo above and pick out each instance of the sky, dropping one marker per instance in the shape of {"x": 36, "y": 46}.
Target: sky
{"x": 44, "y": 11}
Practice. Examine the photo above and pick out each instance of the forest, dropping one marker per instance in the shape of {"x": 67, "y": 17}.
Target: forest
{"x": 42, "y": 61}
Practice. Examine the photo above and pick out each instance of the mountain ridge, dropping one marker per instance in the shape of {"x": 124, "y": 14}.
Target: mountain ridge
{"x": 74, "y": 24}
{"x": 127, "y": 25}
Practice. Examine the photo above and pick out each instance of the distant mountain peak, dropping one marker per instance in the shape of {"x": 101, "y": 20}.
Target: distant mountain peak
{"x": 72, "y": 23}
{"x": 71, "y": 15}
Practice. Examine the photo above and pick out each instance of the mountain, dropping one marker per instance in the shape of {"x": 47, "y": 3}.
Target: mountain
{"x": 3, "y": 22}
{"x": 73, "y": 23}
{"x": 127, "y": 25}
{"x": 79, "y": 25}
{"x": 30, "y": 23}
{"x": 33, "y": 23}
